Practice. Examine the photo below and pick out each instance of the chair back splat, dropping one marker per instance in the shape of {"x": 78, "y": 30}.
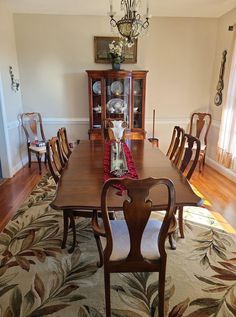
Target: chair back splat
{"x": 54, "y": 157}
{"x": 199, "y": 127}
{"x": 189, "y": 154}
{"x": 175, "y": 143}
{"x": 64, "y": 144}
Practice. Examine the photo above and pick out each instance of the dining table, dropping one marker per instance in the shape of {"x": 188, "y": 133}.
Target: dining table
{"x": 82, "y": 179}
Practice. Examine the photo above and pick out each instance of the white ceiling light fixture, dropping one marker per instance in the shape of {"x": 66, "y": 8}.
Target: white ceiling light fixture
{"x": 132, "y": 24}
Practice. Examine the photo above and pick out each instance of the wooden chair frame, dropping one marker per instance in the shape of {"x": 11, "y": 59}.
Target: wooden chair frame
{"x": 187, "y": 159}
{"x": 201, "y": 119}
{"x": 54, "y": 156}
{"x": 175, "y": 143}
{"x": 64, "y": 144}
{"x": 34, "y": 118}
{"x": 139, "y": 206}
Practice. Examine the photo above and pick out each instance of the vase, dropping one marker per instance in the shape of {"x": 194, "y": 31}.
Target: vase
{"x": 116, "y": 66}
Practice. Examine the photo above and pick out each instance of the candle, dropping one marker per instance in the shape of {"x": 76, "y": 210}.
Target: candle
{"x": 111, "y": 6}
{"x": 147, "y": 8}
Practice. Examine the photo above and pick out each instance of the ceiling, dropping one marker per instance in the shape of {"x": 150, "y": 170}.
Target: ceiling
{"x": 175, "y": 8}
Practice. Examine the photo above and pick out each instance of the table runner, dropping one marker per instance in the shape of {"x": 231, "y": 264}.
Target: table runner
{"x": 130, "y": 164}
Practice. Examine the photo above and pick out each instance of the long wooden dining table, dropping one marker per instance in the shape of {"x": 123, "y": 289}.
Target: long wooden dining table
{"x": 82, "y": 179}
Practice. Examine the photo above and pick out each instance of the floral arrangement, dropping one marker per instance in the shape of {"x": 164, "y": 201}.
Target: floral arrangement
{"x": 116, "y": 52}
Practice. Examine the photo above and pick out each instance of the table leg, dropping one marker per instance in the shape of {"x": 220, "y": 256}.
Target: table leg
{"x": 72, "y": 222}
{"x": 65, "y": 232}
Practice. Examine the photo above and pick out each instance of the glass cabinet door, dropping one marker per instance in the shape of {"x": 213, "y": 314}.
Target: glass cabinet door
{"x": 138, "y": 103}
{"x": 118, "y": 99}
{"x": 97, "y": 103}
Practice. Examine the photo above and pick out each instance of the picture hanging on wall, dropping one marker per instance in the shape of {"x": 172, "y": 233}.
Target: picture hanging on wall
{"x": 101, "y": 48}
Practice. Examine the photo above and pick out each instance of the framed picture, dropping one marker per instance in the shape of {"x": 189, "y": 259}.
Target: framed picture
{"x": 101, "y": 49}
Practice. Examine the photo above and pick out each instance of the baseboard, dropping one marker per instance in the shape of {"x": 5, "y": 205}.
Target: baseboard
{"x": 221, "y": 169}
{"x": 19, "y": 165}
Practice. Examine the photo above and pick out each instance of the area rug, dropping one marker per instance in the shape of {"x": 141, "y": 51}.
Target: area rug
{"x": 38, "y": 278}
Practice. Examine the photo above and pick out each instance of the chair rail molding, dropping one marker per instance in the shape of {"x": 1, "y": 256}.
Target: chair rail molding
{"x": 66, "y": 120}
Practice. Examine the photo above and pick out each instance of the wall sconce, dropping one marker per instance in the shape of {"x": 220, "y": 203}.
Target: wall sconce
{"x": 14, "y": 82}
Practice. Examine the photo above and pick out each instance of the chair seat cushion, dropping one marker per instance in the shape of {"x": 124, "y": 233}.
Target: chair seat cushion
{"x": 40, "y": 149}
{"x": 121, "y": 240}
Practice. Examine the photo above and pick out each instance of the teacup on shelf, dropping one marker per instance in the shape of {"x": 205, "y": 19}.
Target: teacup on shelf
{"x": 98, "y": 109}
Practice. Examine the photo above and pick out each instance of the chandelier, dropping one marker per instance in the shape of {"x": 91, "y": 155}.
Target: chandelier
{"x": 132, "y": 24}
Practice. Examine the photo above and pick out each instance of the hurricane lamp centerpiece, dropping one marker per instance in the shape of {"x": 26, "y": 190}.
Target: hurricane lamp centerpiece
{"x": 116, "y": 54}
{"x": 132, "y": 24}
{"x": 118, "y": 160}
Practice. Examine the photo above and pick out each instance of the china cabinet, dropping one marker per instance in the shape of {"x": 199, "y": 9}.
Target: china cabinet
{"x": 117, "y": 95}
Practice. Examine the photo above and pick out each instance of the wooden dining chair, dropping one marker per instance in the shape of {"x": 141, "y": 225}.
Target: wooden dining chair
{"x": 175, "y": 142}
{"x": 56, "y": 167}
{"x": 54, "y": 156}
{"x": 187, "y": 160}
{"x": 64, "y": 144}
{"x": 33, "y": 128}
{"x": 137, "y": 243}
{"x": 199, "y": 127}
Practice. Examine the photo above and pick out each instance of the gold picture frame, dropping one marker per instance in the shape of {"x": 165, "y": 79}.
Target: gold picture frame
{"x": 101, "y": 50}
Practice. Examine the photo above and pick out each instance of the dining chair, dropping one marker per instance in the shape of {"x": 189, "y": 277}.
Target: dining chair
{"x": 56, "y": 167}
{"x": 199, "y": 127}
{"x": 64, "y": 144}
{"x": 187, "y": 160}
{"x": 137, "y": 243}
{"x": 176, "y": 139}
{"x": 54, "y": 156}
{"x": 33, "y": 128}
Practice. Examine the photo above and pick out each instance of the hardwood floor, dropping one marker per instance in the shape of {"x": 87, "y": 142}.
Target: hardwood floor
{"x": 14, "y": 191}
{"x": 216, "y": 188}
{"x": 219, "y": 191}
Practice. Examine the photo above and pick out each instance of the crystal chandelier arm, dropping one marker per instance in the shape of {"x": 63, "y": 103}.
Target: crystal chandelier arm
{"x": 145, "y": 24}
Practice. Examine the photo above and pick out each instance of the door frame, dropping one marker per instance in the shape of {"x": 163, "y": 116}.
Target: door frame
{"x": 5, "y": 154}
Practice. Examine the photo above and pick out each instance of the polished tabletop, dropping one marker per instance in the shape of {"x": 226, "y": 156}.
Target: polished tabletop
{"x": 81, "y": 182}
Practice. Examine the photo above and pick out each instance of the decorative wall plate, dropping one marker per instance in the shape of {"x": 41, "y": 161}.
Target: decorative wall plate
{"x": 116, "y": 105}
{"x": 117, "y": 88}
{"x": 97, "y": 87}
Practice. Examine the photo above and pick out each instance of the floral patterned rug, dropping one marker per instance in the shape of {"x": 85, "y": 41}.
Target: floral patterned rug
{"x": 38, "y": 278}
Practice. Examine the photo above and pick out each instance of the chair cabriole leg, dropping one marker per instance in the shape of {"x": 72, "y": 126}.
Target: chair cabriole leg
{"x": 29, "y": 157}
{"x": 161, "y": 291}
{"x": 107, "y": 293}
{"x": 181, "y": 222}
{"x": 100, "y": 262}
{"x": 72, "y": 223}
{"x": 39, "y": 162}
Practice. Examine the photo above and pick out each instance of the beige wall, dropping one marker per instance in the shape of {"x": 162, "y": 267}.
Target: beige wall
{"x": 54, "y": 52}
{"x": 10, "y": 101}
{"x": 224, "y": 42}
